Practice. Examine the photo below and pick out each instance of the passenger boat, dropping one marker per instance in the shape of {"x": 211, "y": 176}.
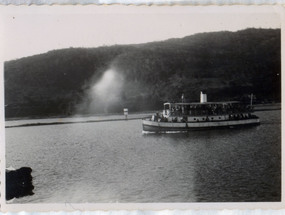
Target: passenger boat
{"x": 201, "y": 115}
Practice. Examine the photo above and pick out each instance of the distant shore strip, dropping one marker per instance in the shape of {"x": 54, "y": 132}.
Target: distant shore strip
{"x": 71, "y": 122}
{"x": 130, "y": 117}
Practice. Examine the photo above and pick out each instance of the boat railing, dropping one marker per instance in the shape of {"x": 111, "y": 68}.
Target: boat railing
{"x": 176, "y": 114}
{"x": 160, "y": 118}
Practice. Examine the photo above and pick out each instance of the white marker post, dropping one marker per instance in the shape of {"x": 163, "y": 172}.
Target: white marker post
{"x": 126, "y": 113}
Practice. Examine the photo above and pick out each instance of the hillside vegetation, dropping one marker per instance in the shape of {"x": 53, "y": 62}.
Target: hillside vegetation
{"x": 227, "y": 65}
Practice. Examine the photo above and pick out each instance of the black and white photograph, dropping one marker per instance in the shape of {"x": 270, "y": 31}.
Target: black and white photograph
{"x": 118, "y": 104}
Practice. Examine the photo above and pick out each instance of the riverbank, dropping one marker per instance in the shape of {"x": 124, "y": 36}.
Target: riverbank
{"x": 10, "y": 123}
{"x": 74, "y": 119}
{"x": 267, "y": 107}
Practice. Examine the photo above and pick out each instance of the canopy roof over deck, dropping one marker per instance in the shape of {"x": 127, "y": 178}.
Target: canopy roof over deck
{"x": 198, "y": 103}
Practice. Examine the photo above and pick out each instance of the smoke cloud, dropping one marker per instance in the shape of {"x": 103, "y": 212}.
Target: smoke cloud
{"x": 105, "y": 95}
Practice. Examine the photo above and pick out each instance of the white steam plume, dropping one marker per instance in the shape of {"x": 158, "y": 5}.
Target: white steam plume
{"x": 105, "y": 94}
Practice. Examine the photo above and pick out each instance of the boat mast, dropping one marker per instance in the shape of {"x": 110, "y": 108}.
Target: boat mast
{"x": 251, "y": 98}
{"x": 182, "y": 98}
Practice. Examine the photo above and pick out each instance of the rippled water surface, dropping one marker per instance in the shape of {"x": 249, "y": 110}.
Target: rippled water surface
{"x": 115, "y": 162}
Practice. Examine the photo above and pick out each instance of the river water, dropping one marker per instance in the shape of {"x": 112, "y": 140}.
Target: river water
{"x": 116, "y": 162}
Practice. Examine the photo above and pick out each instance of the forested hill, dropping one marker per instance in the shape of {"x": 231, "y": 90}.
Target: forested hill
{"x": 228, "y": 65}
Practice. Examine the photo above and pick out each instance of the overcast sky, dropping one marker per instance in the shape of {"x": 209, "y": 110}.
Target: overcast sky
{"x": 33, "y": 30}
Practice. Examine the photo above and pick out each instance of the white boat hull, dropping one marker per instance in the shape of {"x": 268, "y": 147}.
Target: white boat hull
{"x": 155, "y": 126}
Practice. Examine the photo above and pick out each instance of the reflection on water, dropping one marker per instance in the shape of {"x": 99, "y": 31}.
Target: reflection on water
{"x": 115, "y": 162}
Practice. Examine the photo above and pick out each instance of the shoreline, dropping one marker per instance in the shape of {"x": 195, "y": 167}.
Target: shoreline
{"x": 61, "y": 123}
{"x": 257, "y": 107}
{"x": 29, "y": 122}
{"x": 73, "y": 120}
{"x": 78, "y": 116}
{"x": 262, "y": 107}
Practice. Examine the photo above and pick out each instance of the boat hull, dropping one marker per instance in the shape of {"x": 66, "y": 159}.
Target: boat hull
{"x": 153, "y": 126}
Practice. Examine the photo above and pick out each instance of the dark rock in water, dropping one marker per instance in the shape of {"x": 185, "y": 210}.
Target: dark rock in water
{"x": 19, "y": 183}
